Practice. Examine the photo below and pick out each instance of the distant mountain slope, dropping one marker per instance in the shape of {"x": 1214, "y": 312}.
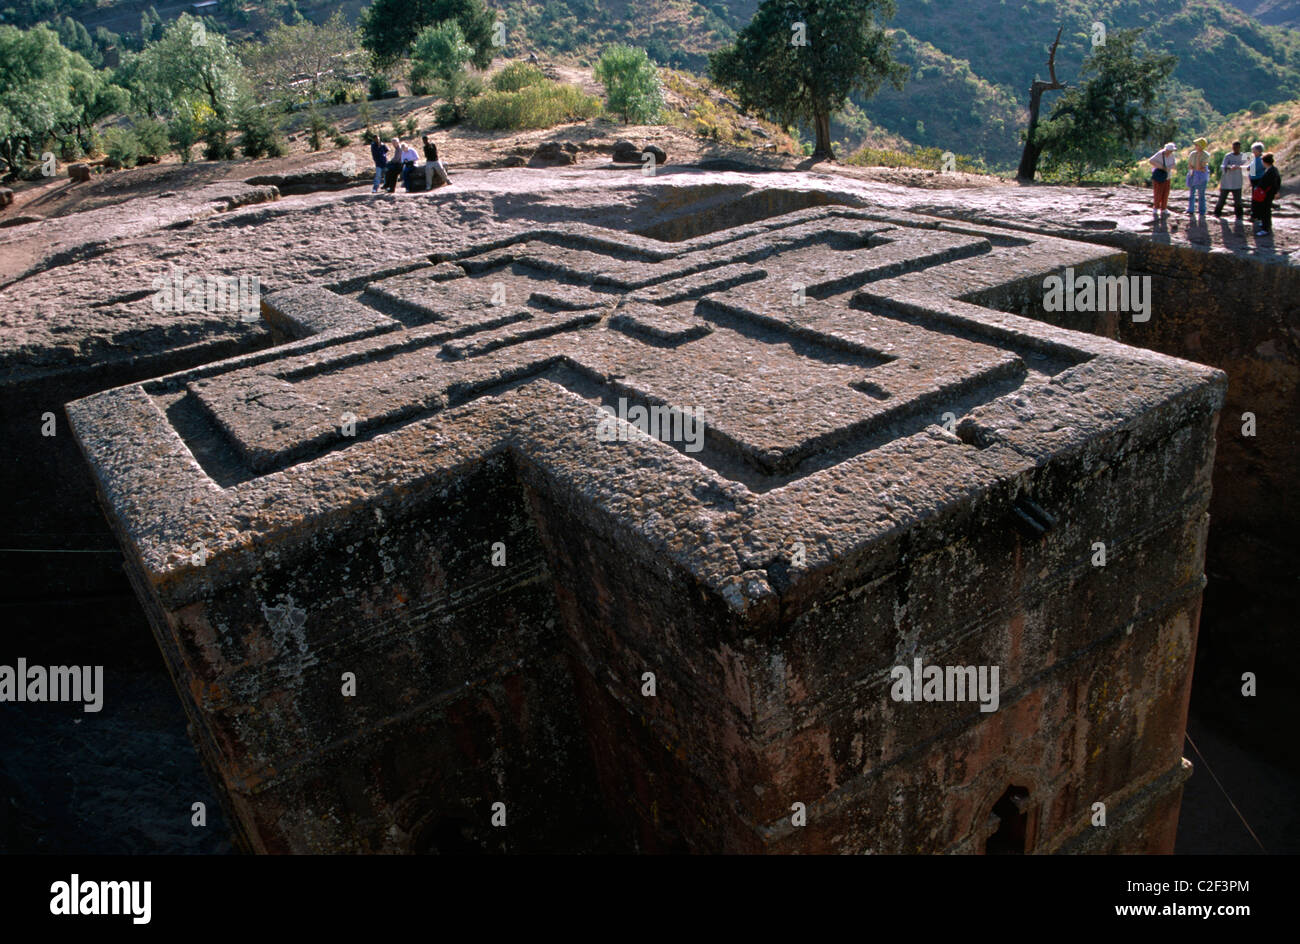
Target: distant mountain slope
{"x": 1273, "y": 12}
{"x": 972, "y": 61}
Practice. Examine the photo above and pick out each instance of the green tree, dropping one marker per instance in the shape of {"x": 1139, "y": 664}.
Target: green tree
{"x": 800, "y": 61}
{"x": 47, "y": 92}
{"x": 260, "y": 134}
{"x": 390, "y": 27}
{"x": 191, "y": 61}
{"x": 438, "y": 54}
{"x": 631, "y": 84}
{"x": 322, "y": 54}
{"x": 1097, "y": 124}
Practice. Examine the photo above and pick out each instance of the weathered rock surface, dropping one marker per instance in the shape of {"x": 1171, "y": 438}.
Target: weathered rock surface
{"x": 80, "y": 320}
{"x": 890, "y": 466}
{"x": 554, "y": 154}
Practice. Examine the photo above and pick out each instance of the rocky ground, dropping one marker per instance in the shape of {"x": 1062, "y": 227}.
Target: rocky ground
{"x": 76, "y": 288}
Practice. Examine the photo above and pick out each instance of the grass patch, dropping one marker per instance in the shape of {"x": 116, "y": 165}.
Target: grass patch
{"x": 531, "y": 106}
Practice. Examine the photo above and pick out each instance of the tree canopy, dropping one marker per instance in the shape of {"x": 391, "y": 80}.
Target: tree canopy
{"x": 1118, "y": 106}
{"x": 631, "y": 84}
{"x": 800, "y": 60}
{"x": 389, "y": 27}
{"x": 189, "y": 61}
{"x": 46, "y": 90}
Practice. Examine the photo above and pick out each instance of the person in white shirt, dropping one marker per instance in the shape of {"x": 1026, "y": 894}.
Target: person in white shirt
{"x": 1163, "y": 163}
{"x": 409, "y": 157}
{"x": 1230, "y": 179}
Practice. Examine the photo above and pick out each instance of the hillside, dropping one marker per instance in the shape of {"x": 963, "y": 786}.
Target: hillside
{"x": 971, "y": 65}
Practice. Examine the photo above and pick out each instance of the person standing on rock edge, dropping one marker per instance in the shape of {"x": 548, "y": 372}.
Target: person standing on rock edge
{"x": 1255, "y": 170}
{"x": 1266, "y": 189}
{"x": 1198, "y": 175}
{"x": 432, "y": 166}
{"x": 379, "y": 154}
{"x": 1163, "y": 161}
{"x": 1230, "y": 179}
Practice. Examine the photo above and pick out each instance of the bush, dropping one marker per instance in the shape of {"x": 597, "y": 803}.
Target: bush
{"x": 518, "y": 75}
{"x": 378, "y": 86}
{"x": 151, "y": 135}
{"x": 340, "y": 139}
{"x": 260, "y": 135}
{"x": 412, "y": 126}
{"x": 121, "y": 147}
{"x": 317, "y": 126}
{"x": 216, "y": 141}
{"x": 533, "y": 106}
{"x": 1258, "y": 108}
{"x": 631, "y": 84}
{"x": 184, "y": 130}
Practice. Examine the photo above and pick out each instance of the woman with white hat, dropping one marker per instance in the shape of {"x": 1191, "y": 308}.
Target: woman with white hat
{"x": 1198, "y": 175}
{"x": 1163, "y": 161}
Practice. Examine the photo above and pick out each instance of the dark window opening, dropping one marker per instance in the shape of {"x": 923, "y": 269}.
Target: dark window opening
{"x": 1012, "y": 814}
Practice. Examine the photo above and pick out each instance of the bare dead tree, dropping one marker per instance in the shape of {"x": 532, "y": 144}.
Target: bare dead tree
{"x": 1029, "y": 157}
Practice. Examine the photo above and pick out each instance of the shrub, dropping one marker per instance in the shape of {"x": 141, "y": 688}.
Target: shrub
{"x": 151, "y": 135}
{"x": 121, "y": 147}
{"x": 216, "y": 141}
{"x": 185, "y": 129}
{"x": 340, "y": 139}
{"x": 438, "y": 52}
{"x": 518, "y": 75}
{"x": 459, "y": 90}
{"x": 533, "y": 106}
{"x": 1258, "y": 108}
{"x": 378, "y": 85}
{"x": 260, "y": 136}
{"x": 631, "y": 84}
{"x": 317, "y": 126}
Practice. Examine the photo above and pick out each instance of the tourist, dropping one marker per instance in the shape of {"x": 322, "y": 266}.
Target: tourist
{"x": 379, "y": 154}
{"x": 1263, "y": 194}
{"x": 409, "y": 157}
{"x": 1198, "y": 175}
{"x": 1230, "y": 179}
{"x": 1163, "y": 161}
{"x": 394, "y": 169}
{"x": 1255, "y": 170}
{"x": 432, "y": 166}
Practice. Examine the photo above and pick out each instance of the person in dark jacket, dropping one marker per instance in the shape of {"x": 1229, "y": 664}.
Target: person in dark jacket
{"x": 432, "y": 166}
{"x": 1265, "y": 192}
{"x": 393, "y": 172}
{"x": 379, "y": 154}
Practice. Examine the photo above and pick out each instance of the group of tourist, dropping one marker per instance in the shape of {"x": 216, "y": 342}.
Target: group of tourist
{"x": 1265, "y": 181}
{"x": 400, "y": 164}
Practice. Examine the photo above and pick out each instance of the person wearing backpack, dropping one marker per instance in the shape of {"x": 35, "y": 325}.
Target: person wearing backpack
{"x": 1265, "y": 192}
